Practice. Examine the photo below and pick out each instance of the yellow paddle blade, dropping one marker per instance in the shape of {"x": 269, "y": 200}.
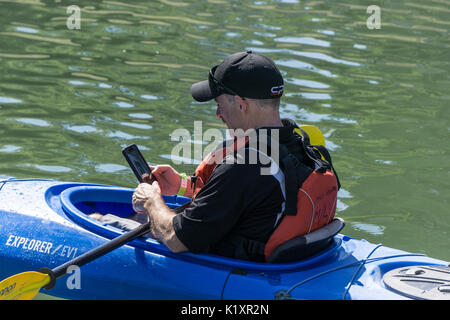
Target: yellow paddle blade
{"x": 23, "y": 286}
{"x": 314, "y": 133}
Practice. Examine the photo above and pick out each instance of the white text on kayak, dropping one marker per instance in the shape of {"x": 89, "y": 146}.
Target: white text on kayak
{"x": 46, "y": 247}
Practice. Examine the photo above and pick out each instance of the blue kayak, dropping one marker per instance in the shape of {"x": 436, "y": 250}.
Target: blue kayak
{"x": 45, "y": 223}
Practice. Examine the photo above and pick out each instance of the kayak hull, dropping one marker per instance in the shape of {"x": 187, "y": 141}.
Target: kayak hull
{"x": 43, "y": 223}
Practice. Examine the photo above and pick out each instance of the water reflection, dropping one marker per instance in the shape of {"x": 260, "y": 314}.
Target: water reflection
{"x": 9, "y": 100}
{"x": 121, "y": 135}
{"x": 34, "y": 122}
{"x": 304, "y": 40}
{"x": 10, "y": 148}
{"x": 123, "y": 104}
{"x": 82, "y": 129}
{"x": 55, "y": 169}
{"x": 141, "y": 126}
{"x": 140, "y": 115}
{"x": 297, "y": 64}
{"x": 313, "y": 55}
{"x": 26, "y": 30}
{"x": 307, "y": 83}
{"x": 110, "y": 168}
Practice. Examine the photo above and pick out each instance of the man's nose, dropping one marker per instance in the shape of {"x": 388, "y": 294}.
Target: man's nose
{"x": 218, "y": 112}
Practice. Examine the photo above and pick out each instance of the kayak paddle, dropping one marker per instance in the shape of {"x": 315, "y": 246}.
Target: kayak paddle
{"x": 26, "y": 285}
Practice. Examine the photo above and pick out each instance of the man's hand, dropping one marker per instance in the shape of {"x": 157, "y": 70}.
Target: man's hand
{"x": 143, "y": 193}
{"x": 169, "y": 179}
{"x": 147, "y": 199}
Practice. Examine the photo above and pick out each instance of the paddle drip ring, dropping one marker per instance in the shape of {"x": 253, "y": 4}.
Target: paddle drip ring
{"x": 52, "y": 282}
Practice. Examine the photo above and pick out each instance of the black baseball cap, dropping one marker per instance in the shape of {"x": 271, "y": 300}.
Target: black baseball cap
{"x": 246, "y": 74}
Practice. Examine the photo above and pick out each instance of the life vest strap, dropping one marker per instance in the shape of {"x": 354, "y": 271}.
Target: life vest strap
{"x": 324, "y": 152}
{"x": 291, "y": 183}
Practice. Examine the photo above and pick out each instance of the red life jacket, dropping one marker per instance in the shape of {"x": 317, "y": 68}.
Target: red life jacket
{"x": 206, "y": 167}
{"x": 310, "y": 194}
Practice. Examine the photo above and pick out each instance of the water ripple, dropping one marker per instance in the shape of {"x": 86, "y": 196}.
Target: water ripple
{"x": 56, "y": 169}
{"x": 123, "y": 104}
{"x": 27, "y": 30}
{"x": 10, "y": 148}
{"x": 117, "y": 134}
{"x": 34, "y": 122}
{"x": 297, "y": 64}
{"x": 9, "y": 100}
{"x": 313, "y": 55}
{"x": 82, "y": 128}
{"x": 61, "y": 41}
{"x": 137, "y": 125}
{"x": 304, "y": 40}
{"x": 110, "y": 168}
{"x": 140, "y": 115}
{"x": 307, "y": 83}
{"x": 289, "y": 109}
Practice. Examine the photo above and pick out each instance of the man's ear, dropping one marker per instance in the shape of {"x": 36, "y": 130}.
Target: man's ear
{"x": 243, "y": 103}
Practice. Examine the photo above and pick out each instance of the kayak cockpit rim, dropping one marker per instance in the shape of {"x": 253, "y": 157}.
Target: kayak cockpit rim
{"x": 70, "y": 196}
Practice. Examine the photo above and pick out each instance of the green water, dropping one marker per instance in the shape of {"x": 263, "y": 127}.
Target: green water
{"x": 71, "y": 99}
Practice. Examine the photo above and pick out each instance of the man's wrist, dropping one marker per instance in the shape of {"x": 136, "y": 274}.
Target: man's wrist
{"x": 183, "y": 184}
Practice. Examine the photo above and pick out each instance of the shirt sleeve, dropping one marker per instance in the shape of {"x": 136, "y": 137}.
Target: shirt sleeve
{"x": 216, "y": 208}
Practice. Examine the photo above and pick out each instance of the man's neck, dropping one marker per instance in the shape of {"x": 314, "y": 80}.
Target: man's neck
{"x": 265, "y": 123}
{"x": 265, "y": 118}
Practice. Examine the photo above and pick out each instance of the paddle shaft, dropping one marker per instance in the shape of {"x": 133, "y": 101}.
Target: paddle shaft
{"x": 95, "y": 253}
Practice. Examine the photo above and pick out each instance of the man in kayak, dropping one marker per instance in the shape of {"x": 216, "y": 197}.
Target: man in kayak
{"x": 237, "y": 208}
{"x": 236, "y": 204}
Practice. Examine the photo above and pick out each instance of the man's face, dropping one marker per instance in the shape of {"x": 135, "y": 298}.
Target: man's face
{"x": 229, "y": 111}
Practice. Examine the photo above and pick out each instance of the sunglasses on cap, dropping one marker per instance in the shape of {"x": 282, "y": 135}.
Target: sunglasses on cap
{"x": 218, "y": 85}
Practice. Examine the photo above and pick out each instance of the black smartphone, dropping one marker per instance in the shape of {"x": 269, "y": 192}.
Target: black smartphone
{"x": 136, "y": 161}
